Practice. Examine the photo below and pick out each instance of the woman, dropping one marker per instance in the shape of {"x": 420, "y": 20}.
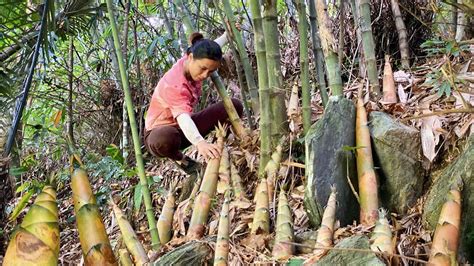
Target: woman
{"x": 170, "y": 124}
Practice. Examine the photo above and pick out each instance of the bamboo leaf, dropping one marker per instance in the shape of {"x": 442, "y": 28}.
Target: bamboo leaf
{"x": 137, "y": 197}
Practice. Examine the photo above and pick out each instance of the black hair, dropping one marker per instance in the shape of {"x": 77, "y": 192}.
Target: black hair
{"x": 204, "y": 48}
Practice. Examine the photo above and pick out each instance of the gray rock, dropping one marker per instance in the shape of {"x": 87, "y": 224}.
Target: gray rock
{"x": 343, "y": 257}
{"x": 397, "y": 153}
{"x": 462, "y": 168}
{"x": 327, "y": 163}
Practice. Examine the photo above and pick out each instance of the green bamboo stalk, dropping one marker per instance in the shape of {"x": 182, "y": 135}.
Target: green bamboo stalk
{"x": 133, "y": 125}
{"x": 402, "y": 34}
{"x": 188, "y": 25}
{"x": 306, "y": 93}
{"x": 318, "y": 53}
{"x": 360, "y": 59}
{"x": 329, "y": 46}
{"x": 342, "y": 27}
{"x": 242, "y": 81}
{"x": 368, "y": 46}
{"x": 234, "y": 118}
{"x": 265, "y": 131}
{"x": 279, "y": 125}
{"x": 244, "y": 58}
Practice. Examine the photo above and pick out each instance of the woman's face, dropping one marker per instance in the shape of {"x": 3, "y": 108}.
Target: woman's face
{"x": 201, "y": 69}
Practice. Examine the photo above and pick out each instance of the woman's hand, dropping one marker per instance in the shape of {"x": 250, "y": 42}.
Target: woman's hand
{"x": 207, "y": 150}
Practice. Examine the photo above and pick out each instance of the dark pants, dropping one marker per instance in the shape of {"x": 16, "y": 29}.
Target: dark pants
{"x": 167, "y": 141}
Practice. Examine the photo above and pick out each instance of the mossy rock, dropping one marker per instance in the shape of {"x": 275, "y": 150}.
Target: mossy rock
{"x": 344, "y": 257}
{"x": 192, "y": 253}
{"x": 397, "y": 158}
{"x": 328, "y": 163}
{"x": 462, "y": 168}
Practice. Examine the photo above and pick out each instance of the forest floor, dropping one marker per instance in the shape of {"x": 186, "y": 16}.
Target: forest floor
{"x": 417, "y": 97}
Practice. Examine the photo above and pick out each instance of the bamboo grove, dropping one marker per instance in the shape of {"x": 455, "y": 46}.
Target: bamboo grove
{"x": 250, "y": 181}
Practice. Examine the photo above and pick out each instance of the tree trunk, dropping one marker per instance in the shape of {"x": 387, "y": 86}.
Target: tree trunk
{"x": 279, "y": 125}
{"x": 244, "y": 58}
{"x": 329, "y": 49}
{"x": 306, "y": 93}
{"x": 368, "y": 46}
{"x": 260, "y": 52}
{"x": 318, "y": 53}
{"x": 402, "y": 34}
{"x": 133, "y": 124}
{"x": 461, "y": 23}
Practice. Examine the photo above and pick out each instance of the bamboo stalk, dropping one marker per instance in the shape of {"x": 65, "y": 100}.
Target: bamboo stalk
{"x": 260, "y": 51}
{"x": 389, "y": 91}
{"x": 446, "y": 237}
{"x": 382, "y": 235}
{"x": 279, "y": 124}
{"x": 234, "y": 118}
{"x": 202, "y": 205}
{"x": 355, "y": 13}
{"x": 272, "y": 171}
{"x": 130, "y": 237}
{"x": 165, "y": 221}
{"x": 124, "y": 258}
{"x": 133, "y": 126}
{"x": 402, "y": 34}
{"x": 36, "y": 241}
{"x": 96, "y": 248}
{"x": 239, "y": 191}
{"x": 326, "y": 231}
{"x": 329, "y": 46}
{"x": 304, "y": 62}
{"x": 222, "y": 242}
{"x": 368, "y": 46}
{"x": 224, "y": 172}
{"x": 342, "y": 27}
{"x": 284, "y": 230}
{"x": 261, "y": 218}
{"x": 368, "y": 193}
{"x": 318, "y": 53}
{"x": 244, "y": 58}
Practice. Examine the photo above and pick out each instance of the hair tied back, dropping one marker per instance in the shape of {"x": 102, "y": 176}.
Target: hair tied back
{"x": 195, "y": 37}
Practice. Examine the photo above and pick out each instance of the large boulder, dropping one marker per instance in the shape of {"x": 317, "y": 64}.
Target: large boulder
{"x": 328, "y": 163}
{"x": 344, "y": 257}
{"x": 462, "y": 168}
{"x": 397, "y": 156}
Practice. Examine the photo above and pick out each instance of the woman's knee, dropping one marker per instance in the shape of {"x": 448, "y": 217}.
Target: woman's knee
{"x": 238, "y": 106}
{"x": 164, "y": 142}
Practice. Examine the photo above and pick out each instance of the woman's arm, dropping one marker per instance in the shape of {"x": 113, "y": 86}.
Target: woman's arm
{"x": 189, "y": 128}
{"x": 191, "y": 132}
{"x": 222, "y": 40}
